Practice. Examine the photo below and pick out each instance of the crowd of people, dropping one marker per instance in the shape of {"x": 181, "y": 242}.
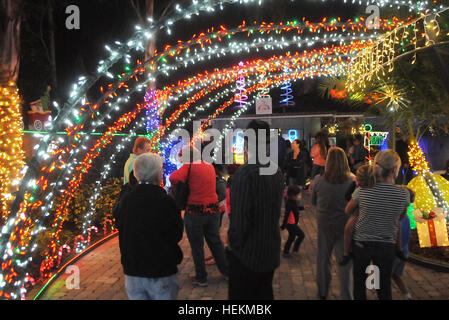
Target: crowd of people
{"x": 351, "y": 221}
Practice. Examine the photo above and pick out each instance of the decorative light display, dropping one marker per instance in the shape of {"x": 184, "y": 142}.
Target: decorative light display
{"x": 417, "y": 158}
{"x": 65, "y": 248}
{"x": 264, "y": 91}
{"x": 89, "y": 234}
{"x": 106, "y": 223}
{"x": 293, "y": 135}
{"x": 241, "y": 98}
{"x": 432, "y": 229}
{"x": 432, "y": 191}
{"x": 78, "y": 239}
{"x": 286, "y": 96}
{"x": 71, "y": 161}
{"x": 411, "y": 217}
{"x": 393, "y": 97}
{"x": 380, "y": 57}
{"x": 11, "y": 151}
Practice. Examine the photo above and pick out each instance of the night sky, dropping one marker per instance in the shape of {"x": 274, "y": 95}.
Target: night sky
{"x": 103, "y": 22}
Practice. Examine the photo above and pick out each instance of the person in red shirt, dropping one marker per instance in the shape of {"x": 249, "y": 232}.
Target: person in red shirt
{"x": 202, "y": 217}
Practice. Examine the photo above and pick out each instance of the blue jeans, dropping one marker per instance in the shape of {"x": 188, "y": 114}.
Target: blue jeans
{"x": 206, "y": 227}
{"x": 139, "y": 288}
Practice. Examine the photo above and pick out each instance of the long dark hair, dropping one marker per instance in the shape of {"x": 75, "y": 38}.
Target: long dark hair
{"x": 322, "y": 139}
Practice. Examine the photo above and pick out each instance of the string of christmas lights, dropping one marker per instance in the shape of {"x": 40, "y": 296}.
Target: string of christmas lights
{"x": 372, "y": 63}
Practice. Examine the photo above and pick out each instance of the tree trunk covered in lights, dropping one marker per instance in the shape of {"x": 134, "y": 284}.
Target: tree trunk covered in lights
{"x": 10, "y": 16}
{"x": 11, "y": 124}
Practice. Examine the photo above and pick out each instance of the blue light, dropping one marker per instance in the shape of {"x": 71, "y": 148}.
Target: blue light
{"x": 292, "y": 135}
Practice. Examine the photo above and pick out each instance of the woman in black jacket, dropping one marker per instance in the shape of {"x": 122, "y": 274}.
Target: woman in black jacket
{"x": 296, "y": 165}
{"x": 150, "y": 228}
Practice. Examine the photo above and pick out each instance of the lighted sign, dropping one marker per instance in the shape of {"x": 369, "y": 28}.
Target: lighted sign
{"x": 264, "y": 106}
{"x": 292, "y": 135}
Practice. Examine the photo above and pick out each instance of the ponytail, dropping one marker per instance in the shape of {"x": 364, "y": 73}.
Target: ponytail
{"x": 366, "y": 176}
{"x": 385, "y": 162}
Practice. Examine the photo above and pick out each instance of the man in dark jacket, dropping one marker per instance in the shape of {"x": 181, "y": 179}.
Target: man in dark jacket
{"x": 254, "y": 236}
{"x": 150, "y": 228}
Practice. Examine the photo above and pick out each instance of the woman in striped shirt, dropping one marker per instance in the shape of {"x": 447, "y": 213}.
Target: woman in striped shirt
{"x": 381, "y": 208}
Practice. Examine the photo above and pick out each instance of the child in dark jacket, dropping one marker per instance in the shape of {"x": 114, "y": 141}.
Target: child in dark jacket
{"x": 291, "y": 219}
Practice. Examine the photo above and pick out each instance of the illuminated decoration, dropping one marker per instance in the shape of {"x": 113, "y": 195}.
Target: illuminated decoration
{"x": 241, "y": 98}
{"x": 31, "y": 281}
{"x": 72, "y": 161}
{"x": 411, "y": 217}
{"x": 45, "y": 269}
{"x": 333, "y": 129}
{"x": 106, "y": 223}
{"x": 78, "y": 239}
{"x": 417, "y": 158}
{"x": 293, "y": 135}
{"x": 264, "y": 90}
{"x": 287, "y": 97}
{"x": 394, "y": 98}
{"x": 377, "y": 138}
{"x": 431, "y": 226}
{"x": 264, "y": 103}
{"x": 89, "y": 234}
{"x": 61, "y": 252}
{"x": 11, "y": 151}
{"x": 432, "y": 191}
{"x": 379, "y": 58}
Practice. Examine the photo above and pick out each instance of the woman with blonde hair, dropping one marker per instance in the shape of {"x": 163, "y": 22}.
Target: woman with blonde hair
{"x": 381, "y": 208}
{"x": 329, "y": 197}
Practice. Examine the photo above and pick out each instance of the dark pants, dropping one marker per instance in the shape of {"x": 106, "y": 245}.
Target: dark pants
{"x": 405, "y": 176}
{"x": 316, "y": 170}
{"x": 198, "y": 228}
{"x": 246, "y": 284}
{"x": 294, "y": 232}
{"x": 382, "y": 255}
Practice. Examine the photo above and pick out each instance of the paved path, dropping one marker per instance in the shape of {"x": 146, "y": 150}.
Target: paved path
{"x": 102, "y": 276}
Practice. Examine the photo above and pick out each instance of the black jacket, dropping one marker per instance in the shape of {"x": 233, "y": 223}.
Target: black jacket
{"x": 150, "y": 227}
{"x": 291, "y": 206}
{"x": 254, "y": 235}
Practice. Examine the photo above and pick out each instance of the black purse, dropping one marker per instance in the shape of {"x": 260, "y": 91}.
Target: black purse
{"x": 182, "y": 191}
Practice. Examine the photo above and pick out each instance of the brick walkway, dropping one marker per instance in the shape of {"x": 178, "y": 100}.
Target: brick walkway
{"x": 102, "y": 275}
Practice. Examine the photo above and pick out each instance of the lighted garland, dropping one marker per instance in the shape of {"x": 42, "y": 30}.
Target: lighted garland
{"x": 286, "y": 96}
{"x": 379, "y": 59}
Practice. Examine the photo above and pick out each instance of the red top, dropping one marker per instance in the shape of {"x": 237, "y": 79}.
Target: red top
{"x": 291, "y": 218}
{"x": 202, "y": 183}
